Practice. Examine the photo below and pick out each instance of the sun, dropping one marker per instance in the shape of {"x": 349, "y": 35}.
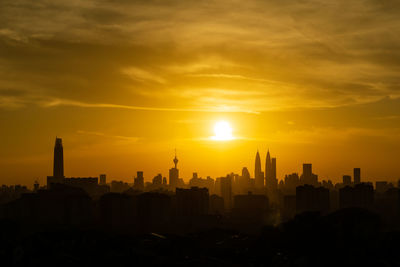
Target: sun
{"x": 222, "y": 131}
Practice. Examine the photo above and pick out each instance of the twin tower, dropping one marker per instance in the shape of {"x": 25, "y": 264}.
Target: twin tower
{"x": 269, "y": 180}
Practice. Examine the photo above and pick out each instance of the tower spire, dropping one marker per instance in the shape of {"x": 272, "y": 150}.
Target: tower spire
{"x": 175, "y": 159}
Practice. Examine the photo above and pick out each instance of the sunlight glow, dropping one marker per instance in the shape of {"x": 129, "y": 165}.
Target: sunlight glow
{"x": 222, "y": 131}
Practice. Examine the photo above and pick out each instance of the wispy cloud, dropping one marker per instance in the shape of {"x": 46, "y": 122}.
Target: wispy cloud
{"x": 64, "y": 102}
{"x": 127, "y": 138}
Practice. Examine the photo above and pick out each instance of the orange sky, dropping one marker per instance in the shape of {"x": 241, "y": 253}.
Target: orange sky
{"x": 125, "y": 82}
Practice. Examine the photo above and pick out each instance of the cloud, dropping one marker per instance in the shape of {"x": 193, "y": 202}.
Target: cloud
{"x": 307, "y": 54}
{"x": 126, "y": 138}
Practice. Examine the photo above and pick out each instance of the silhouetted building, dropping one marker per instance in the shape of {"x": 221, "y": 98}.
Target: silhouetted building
{"x": 291, "y": 182}
{"x": 103, "y": 179}
{"x": 360, "y": 196}
{"x": 310, "y": 198}
{"x": 192, "y": 202}
{"x": 346, "y": 180}
{"x": 216, "y": 205}
{"x": 308, "y": 177}
{"x": 270, "y": 173}
{"x": 119, "y": 186}
{"x": 153, "y": 210}
{"x": 357, "y": 175}
{"x": 62, "y": 205}
{"x": 89, "y": 184}
{"x": 117, "y": 210}
{"x": 288, "y": 210}
{"x": 258, "y": 176}
{"x": 174, "y": 174}
{"x": 58, "y": 163}
{"x": 382, "y": 186}
{"x": 138, "y": 183}
{"x": 157, "y": 180}
{"x": 226, "y": 191}
{"x": 252, "y": 208}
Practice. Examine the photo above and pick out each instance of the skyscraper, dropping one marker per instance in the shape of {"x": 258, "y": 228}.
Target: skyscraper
{"x": 270, "y": 173}
{"x": 259, "y": 177}
{"x": 58, "y": 163}
{"x": 308, "y": 177}
{"x": 357, "y": 175}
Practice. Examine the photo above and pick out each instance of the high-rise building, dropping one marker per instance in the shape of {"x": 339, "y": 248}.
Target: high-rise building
{"x": 139, "y": 181}
{"x": 270, "y": 173}
{"x": 226, "y": 191}
{"x": 357, "y": 175}
{"x": 308, "y": 177}
{"x": 259, "y": 177}
{"x": 174, "y": 174}
{"x": 103, "y": 179}
{"x": 58, "y": 163}
{"x": 273, "y": 168}
{"x": 307, "y": 169}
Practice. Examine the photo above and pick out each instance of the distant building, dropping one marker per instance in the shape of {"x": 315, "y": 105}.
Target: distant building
{"x": 216, "y": 205}
{"x": 157, "y": 180}
{"x": 308, "y": 177}
{"x": 270, "y": 173}
{"x": 103, "y": 179}
{"x": 361, "y": 196}
{"x": 346, "y": 180}
{"x": 58, "y": 163}
{"x": 382, "y": 186}
{"x": 174, "y": 174}
{"x": 192, "y": 202}
{"x": 138, "y": 183}
{"x": 226, "y": 191}
{"x": 310, "y": 198}
{"x": 357, "y": 175}
{"x": 258, "y": 175}
{"x": 288, "y": 210}
{"x": 250, "y": 207}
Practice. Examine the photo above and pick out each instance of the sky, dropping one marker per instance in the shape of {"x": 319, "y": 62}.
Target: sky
{"x": 125, "y": 83}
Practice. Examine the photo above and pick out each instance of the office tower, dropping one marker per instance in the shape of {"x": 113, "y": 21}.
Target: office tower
{"x": 139, "y": 181}
{"x": 174, "y": 174}
{"x": 226, "y": 191}
{"x": 346, "y": 179}
{"x": 308, "y": 177}
{"x": 103, "y": 179}
{"x": 273, "y": 174}
{"x": 307, "y": 170}
{"x": 58, "y": 164}
{"x": 270, "y": 173}
{"x": 357, "y": 175}
{"x": 259, "y": 178}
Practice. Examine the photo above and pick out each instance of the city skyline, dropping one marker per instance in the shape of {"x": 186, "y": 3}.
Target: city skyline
{"x": 270, "y": 163}
{"x": 262, "y": 179}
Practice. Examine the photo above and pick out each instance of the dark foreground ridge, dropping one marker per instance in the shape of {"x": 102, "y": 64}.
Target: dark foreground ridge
{"x": 349, "y": 237}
